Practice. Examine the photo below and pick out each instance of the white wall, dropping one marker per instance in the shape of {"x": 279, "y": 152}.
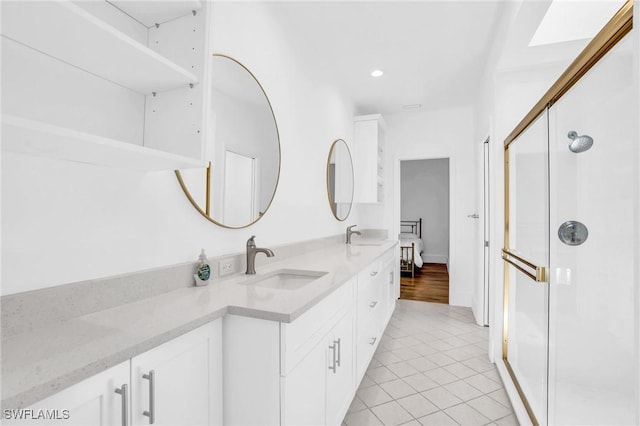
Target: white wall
{"x": 446, "y": 133}
{"x": 64, "y": 222}
{"x": 425, "y": 194}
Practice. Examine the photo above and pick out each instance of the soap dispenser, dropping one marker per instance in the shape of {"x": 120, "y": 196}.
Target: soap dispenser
{"x": 203, "y": 272}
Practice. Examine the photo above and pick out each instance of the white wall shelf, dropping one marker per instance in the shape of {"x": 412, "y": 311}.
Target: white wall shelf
{"x": 40, "y": 139}
{"x": 150, "y": 13}
{"x": 69, "y": 33}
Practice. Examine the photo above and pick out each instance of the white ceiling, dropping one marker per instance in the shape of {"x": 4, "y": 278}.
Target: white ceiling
{"x": 432, "y": 52}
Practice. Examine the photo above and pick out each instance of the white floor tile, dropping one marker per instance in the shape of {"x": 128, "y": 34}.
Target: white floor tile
{"x": 392, "y": 413}
{"x": 406, "y": 353}
{"x": 387, "y": 358}
{"x": 366, "y": 382}
{"x": 501, "y": 396}
{"x": 466, "y": 415}
{"x": 482, "y": 383}
{"x": 362, "y": 418}
{"x": 463, "y": 390}
{"x": 437, "y": 419}
{"x": 420, "y": 382}
{"x": 441, "y": 376}
{"x": 422, "y": 364}
{"x": 373, "y": 395}
{"x": 432, "y": 366}
{"x": 382, "y": 374}
{"x": 356, "y": 405}
{"x": 417, "y": 405}
{"x": 489, "y": 407}
{"x": 402, "y": 369}
{"x": 460, "y": 370}
{"x": 398, "y": 388}
{"x": 509, "y": 420}
{"x": 441, "y": 397}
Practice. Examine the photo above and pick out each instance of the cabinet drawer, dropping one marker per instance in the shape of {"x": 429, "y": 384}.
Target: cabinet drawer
{"x": 300, "y": 336}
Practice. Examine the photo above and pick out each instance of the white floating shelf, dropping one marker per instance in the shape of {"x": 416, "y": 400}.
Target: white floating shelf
{"x": 69, "y": 33}
{"x": 30, "y": 137}
{"x": 150, "y": 13}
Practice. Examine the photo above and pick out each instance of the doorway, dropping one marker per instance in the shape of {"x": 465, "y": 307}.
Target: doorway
{"x": 425, "y": 229}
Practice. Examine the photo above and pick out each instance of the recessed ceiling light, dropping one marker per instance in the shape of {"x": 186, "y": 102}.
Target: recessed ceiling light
{"x": 377, "y": 73}
{"x": 412, "y": 106}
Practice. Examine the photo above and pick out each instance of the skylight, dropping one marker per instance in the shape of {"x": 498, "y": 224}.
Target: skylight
{"x": 569, "y": 20}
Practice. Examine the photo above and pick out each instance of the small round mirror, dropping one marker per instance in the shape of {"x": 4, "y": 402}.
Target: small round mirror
{"x": 340, "y": 180}
{"x": 242, "y": 148}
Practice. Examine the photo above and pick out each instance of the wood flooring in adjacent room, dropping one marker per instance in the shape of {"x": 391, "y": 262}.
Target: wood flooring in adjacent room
{"x": 430, "y": 284}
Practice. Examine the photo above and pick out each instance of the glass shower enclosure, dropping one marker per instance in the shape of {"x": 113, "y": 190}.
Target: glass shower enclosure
{"x": 572, "y": 231}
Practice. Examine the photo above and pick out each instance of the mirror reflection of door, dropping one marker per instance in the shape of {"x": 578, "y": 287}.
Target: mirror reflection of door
{"x": 240, "y": 188}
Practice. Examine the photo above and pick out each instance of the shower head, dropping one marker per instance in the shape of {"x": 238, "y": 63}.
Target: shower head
{"x": 579, "y": 143}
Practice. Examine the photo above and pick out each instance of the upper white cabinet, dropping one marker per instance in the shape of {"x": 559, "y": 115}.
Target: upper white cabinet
{"x": 368, "y": 161}
{"x": 117, "y": 83}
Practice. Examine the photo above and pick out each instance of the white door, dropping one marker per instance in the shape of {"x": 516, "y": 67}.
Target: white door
{"x": 303, "y": 389}
{"x": 180, "y": 382}
{"x": 93, "y": 401}
{"x": 486, "y": 228}
{"x": 339, "y": 370}
{"x": 239, "y": 190}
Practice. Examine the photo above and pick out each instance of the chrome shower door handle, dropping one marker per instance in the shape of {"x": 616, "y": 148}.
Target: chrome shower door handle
{"x": 151, "y": 377}
{"x": 123, "y": 391}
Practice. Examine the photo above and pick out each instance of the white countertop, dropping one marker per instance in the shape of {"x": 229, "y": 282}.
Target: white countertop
{"x": 41, "y": 362}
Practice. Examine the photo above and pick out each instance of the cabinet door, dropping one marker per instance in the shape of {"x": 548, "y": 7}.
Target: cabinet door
{"x": 303, "y": 390}
{"x": 93, "y": 401}
{"x": 340, "y": 370}
{"x": 180, "y": 382}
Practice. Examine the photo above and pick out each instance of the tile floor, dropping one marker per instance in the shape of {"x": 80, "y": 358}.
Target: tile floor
{"x": 431, "y": 368}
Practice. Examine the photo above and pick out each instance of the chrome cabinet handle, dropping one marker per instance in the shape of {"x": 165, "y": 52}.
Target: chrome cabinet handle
{"x": 373, "y": 304}
{"x": 373, "y": 341}
{"x": 123, "y": 391}
{"x": 339, "y": 345}
{"x": 333, "y": 349}
{"x": 374, "y": 273}
{"x": 151, "y": 377}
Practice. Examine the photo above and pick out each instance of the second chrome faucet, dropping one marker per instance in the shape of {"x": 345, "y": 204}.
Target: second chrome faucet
{"x": 252, "y": 250}
{"x": 350, "y": 233}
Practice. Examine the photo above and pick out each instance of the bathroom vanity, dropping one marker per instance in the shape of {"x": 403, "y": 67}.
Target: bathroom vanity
{"x": 288, "y": 345}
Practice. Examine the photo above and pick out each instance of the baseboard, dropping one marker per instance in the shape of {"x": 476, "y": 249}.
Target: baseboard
{"x": 460, "y": 298}
{"x": 435, "y": 258}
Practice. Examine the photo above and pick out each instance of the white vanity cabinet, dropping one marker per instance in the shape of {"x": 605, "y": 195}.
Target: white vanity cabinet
{"x": 179, "y": 382}
{"x": 113, "y": 83}
{"x": 368, "y": 159}
{"x": 376, "y": 296}
{"x": 186, "y": 387}
{"x": 93, "y": 401}
{"x": 297, "y": 373}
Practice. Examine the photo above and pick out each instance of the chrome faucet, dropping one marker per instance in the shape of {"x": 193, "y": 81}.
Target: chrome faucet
{"x": 350, "y": 233}
{"x": 252, "y": 250}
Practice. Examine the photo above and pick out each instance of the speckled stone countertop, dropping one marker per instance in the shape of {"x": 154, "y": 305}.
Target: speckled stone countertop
{"x": 40, "y": 362}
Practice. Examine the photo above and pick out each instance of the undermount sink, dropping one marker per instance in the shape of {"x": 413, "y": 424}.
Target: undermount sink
{"x": 368, "y": 244}
{"x": 286, "y": 279}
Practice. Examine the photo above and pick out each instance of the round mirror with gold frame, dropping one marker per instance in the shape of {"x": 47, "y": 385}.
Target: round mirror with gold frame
{"x": 242, "y": 150}
{"x": 340, "y": 179}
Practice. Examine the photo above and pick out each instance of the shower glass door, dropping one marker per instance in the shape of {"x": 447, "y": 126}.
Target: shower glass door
{"x": 526, "y": 257}
{"x": 593, "y": 318}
